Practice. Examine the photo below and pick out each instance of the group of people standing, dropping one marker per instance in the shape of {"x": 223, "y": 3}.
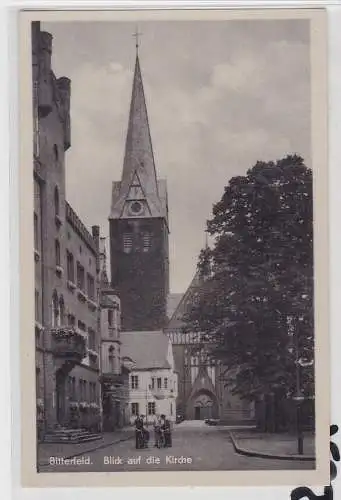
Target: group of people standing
{"x": 162, "y": 427}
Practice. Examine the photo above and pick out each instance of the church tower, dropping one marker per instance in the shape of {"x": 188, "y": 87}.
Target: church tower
{"x": 139, "y": 225}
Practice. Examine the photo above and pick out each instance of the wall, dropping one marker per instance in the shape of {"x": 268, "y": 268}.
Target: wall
{"x": 49, "y": 149}
{"x": 54, "y": 235}
{"x": 145, "y": 394}
{"x": 82, "y": 304}
{"x": 141, "y": 278}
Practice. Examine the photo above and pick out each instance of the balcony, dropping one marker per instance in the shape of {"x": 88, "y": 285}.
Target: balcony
{"x": 81, "y": 295}
{"x": 67, "y": 343}
{"x": 92, "y": 304}
{"x": 59, "y": 271}
{"x": 71, "y": 285}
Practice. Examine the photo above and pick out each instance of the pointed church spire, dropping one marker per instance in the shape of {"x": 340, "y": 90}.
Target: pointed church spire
{"x": 139, "y": 155}
{"x": 139, "y": 180}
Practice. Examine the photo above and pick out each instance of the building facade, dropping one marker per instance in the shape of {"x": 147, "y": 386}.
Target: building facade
{"x": 66, "y": 260}
{"x": 114, "y": 375}
{"x": 153, "y": 382}
{"x": 139, "y": 226}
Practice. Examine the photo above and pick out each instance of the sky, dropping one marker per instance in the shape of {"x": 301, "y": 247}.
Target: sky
{"x": 220, "y": 96}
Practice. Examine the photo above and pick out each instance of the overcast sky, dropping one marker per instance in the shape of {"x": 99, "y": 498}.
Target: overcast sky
{"x": 220, "y": 96}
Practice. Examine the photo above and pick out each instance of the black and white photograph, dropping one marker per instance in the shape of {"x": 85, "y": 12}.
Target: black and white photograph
{"x": 177, "y": 301}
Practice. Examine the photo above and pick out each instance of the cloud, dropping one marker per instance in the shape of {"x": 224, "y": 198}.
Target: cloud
{"x": 217, "y": 103}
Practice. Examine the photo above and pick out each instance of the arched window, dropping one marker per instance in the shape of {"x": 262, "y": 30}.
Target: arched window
{"x": 56, "y": 201}
{"x": 61, "y": 310}
{"x": 57, "y": 250}
{"x": 55, "y": 309}
{"x": 111, "y": 358}
{"x": 55, "y": 152}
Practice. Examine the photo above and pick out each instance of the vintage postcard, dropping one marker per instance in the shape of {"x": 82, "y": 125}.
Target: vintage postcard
{"x": 173, "y": 200}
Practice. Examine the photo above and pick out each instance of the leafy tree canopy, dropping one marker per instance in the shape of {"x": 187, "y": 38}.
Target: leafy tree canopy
{"x": 254, "y": 307}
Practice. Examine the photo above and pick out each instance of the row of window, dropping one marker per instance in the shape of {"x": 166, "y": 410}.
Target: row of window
{"x": 156, "y": 383}
{"x": 135, "y": 408}
{"x": 89, "y": 286}
{"x": 59, "y": 318}
{"x": 184, "y": 338}
{"x": 35, "y": 220}
{"x": 151, "y": 408}
{"x": 86, "y": 390}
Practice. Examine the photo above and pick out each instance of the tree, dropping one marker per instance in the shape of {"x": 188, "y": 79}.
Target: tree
{"x": 255, "y": 306}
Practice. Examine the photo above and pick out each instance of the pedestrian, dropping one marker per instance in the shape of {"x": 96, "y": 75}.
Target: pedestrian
{"x": 145, "y": 431}
{"x": 157, "y": 428}
{"x": 168, "y": 432}
{"x": 166, "y": 427}
{"x": 138, "y": 429}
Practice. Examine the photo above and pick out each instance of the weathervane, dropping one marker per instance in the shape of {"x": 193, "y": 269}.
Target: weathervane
{"x": 136, "y": 35}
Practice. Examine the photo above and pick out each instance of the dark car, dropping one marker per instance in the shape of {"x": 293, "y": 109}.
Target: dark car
{"x": 212, "y": 421}
{"x": 179, "y": 419}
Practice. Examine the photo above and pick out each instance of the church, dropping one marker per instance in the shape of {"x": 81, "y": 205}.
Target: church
{"x": 139, "y": 250}
{"x": 139, "y": 260}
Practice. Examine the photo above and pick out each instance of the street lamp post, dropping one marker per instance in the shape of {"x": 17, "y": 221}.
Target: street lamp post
{"x": 147, "y": 403}
{"x": 298, "y": 398}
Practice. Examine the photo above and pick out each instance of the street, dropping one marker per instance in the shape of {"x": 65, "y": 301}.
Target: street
{"x": 196, "y": 446}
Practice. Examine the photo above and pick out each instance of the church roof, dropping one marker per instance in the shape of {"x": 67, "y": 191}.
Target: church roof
{"x": 147, "y": 350}
{"x": 176, "y": 320}
{"x": 173, "y": 301}
{"x": 139, "y": 181}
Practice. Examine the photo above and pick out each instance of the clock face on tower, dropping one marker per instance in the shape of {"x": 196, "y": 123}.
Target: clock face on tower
{"x": 136, "y": 208}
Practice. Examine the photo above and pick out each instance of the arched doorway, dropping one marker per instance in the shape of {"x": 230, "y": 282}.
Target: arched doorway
{"x": 60, "y": 396}
{"x": 203, "y": 405}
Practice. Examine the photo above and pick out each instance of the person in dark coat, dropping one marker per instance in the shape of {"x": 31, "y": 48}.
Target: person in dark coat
{"x": 168, "y": 431}
{"x": 138, "y": 428}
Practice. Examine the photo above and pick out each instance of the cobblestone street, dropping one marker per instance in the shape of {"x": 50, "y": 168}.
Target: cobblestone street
{"x": 200, "y": 446}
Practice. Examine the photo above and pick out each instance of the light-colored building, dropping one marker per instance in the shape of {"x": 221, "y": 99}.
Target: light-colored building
{"x": 152, "y": 379}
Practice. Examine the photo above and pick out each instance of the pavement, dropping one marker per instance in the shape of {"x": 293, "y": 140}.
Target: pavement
{"x": 277, "y": 445}
{"x": 196, "y": 446}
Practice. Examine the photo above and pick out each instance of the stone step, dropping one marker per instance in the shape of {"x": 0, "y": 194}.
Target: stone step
{"x": 67, "y": 432}
{"x": 74, "y": 439}
{"x": 71, "y": 436}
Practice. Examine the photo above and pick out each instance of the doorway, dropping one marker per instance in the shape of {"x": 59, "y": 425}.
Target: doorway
{"x": 197, "y": 413}
{"x": 60, "y": 396}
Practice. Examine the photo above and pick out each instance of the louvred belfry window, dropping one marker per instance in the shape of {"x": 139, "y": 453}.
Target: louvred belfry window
{"x": 146, "y": 241}
{"x": 127, "y": 242}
